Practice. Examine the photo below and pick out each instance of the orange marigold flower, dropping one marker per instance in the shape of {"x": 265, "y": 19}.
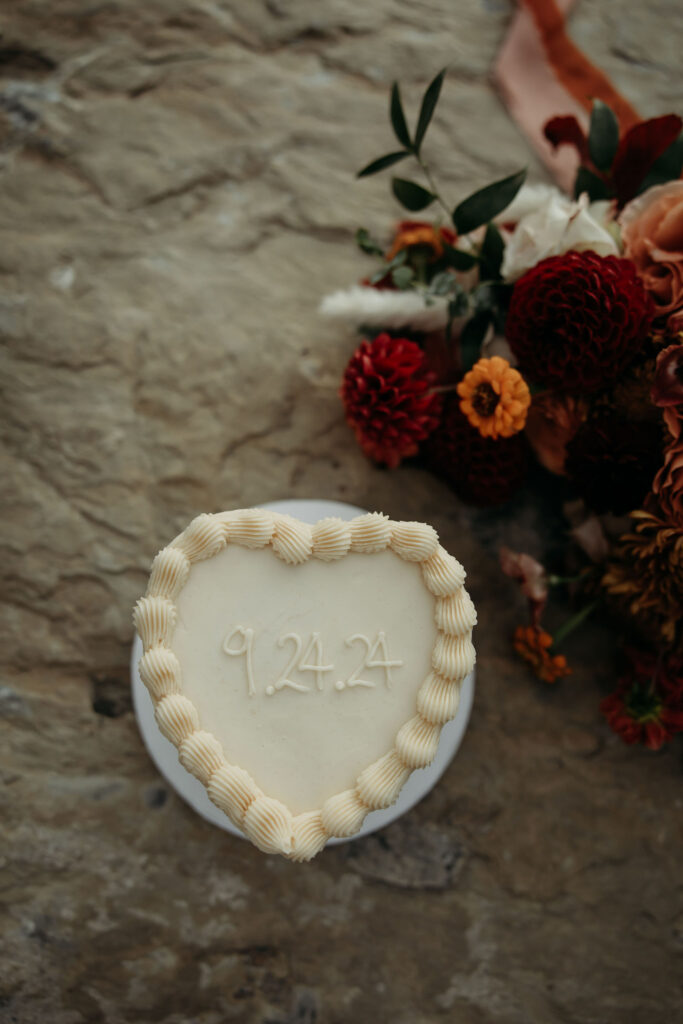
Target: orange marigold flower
{"x": 417, "y": 232}
{"x": 495, "y": 398}
{"x": 533, "y": 644}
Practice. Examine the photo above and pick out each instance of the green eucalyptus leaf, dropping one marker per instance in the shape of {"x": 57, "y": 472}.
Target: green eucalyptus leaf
{"x": 379, "y": 275}
{"x": 487, "y": 203}
{"x": 442, "y": 283}
{"x": 411, "y": 195}
{"x": 398, "y": 118}
{"x": 383, "y": 161}
{"x": 368, "y": 244}
{"x": 603, "y": 135}
{"x": 458, "y": 259}
{"x": 429, "y": 101}
{"x": 667, "y": 167}
{"x": 588, "y": 182}
{"x": 388, "y": 268}
{"x": 485, "y": 297}
{"x": 473, "y": 334}
{"x": 491, "y": 254}
{"x": 399, "y": 259}
{"x": 403, "y": 277}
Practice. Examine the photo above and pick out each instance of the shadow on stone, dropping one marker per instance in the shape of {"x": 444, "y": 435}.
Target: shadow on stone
{"x": 110, "y": 695}
{"x": 304, "y": 1010}
{"x": 410, "y": 855}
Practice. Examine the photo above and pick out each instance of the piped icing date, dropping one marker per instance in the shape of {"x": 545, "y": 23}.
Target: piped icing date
{"x": 239, "y": 643}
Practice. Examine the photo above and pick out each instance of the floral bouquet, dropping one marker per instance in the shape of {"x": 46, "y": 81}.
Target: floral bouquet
{"x": 524, "y": 324}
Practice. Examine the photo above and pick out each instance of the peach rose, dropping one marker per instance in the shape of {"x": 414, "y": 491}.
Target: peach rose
{"x": 652, "y": 234}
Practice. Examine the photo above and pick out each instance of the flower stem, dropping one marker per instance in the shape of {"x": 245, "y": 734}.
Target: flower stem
{"x": 571, "y": 624}
{"x": 555, "y": 581}
{"x": 432, "y": 184}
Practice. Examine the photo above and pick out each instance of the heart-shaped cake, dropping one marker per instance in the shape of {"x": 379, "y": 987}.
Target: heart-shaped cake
{"x": 303, "y": 672}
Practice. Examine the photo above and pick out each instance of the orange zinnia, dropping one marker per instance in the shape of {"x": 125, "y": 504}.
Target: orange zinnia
{"x": 417, "y": 232}
{"x": 494, "y": 398}
{"x": 533, "y": 644}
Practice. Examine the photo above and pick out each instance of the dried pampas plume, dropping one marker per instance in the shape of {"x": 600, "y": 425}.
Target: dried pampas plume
{"x": 389, "y": 310}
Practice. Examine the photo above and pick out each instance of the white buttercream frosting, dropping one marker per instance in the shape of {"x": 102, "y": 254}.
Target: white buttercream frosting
{"x": 160, "y": 672}
{"x": 324, "y": 661}
{"x": 203, "y": 538}
{"x": 176, "y": 717}
{"x": 155, "y": 619}
{"x": 437, "y": 698}
{"x": 453, "y": 656}
{"x": 201, "y": 753}
{"x": 414, "y": 541}
{"x": 370, "y": 533}
{"x": 331, "y": 539}
{"x": 248, "y": 527}
{"x": 170, "y": 570}
{"x": 417, "y": 741}
{"x": 456, "y": 613}
{"x": 292, "y": 540}
{"x": 269, "y": 825}
{"x": 443, "y": 574}
{"x": 232, "y": 789}
{"x": 380, "y": 783}
{"x": 342, "y": 815}
{"x": 310, "y": 835}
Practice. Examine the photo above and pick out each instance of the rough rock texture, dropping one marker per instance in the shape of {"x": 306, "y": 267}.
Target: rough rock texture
{"x": 176, "y": 194}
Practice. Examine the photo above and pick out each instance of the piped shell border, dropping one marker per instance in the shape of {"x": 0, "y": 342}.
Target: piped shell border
{"x": 267, "y": 822}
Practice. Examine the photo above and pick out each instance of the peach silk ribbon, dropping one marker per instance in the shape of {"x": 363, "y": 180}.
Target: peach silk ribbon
{"x": 541, "y": 73}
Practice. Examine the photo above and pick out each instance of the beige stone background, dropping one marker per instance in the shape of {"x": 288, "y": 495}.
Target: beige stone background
{"x": 176, "y": 194}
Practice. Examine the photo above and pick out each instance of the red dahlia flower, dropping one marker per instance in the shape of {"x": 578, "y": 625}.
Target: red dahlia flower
{"x": 480, "y": 471}
{"x": 388, "y": 398}
{"x": 575, "y": 321}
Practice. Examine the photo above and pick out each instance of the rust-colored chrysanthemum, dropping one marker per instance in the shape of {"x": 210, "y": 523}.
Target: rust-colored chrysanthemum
{"x": 647, "y": 705}
{"x": 410, "y": 233}
{"x": 495, "y": 398}
{"x": 639, "y": 715}
{"x": 534, "y": 645}
{"x": 646, "y": 571}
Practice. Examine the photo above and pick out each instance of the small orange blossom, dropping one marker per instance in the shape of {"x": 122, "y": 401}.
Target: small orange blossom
{"x": 533, "y": 644}
{"x": 495, "y": 398}
{"x": 417, "y": 232}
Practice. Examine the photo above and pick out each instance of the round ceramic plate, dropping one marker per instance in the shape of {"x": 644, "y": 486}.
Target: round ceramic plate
{"x": 165, "y": 755}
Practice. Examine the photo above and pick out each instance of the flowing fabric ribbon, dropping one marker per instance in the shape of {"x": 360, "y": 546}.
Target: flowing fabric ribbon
{"x": 541, "y": 73}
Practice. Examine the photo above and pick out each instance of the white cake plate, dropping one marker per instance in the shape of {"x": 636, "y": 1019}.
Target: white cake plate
{"x": 165, "y": 755}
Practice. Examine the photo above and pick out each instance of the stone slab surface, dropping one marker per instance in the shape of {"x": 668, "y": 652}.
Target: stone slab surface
{"x": 176, "y": 193}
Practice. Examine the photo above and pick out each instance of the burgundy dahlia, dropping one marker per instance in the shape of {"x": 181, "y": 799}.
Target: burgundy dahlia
{"x": 480, "y": 471}
{"x": 388, "y": 398}
{"x": 612, "y": 462}
{"x": 575, "y": 321}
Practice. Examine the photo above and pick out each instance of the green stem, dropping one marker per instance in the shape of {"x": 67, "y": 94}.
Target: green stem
{"x": 571, "y": 624}
{"x": 432, "y": 184}
{"x": 554, "y": 581}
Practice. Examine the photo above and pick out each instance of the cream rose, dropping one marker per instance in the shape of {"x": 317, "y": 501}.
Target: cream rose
{"x": 555, "y": 226}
